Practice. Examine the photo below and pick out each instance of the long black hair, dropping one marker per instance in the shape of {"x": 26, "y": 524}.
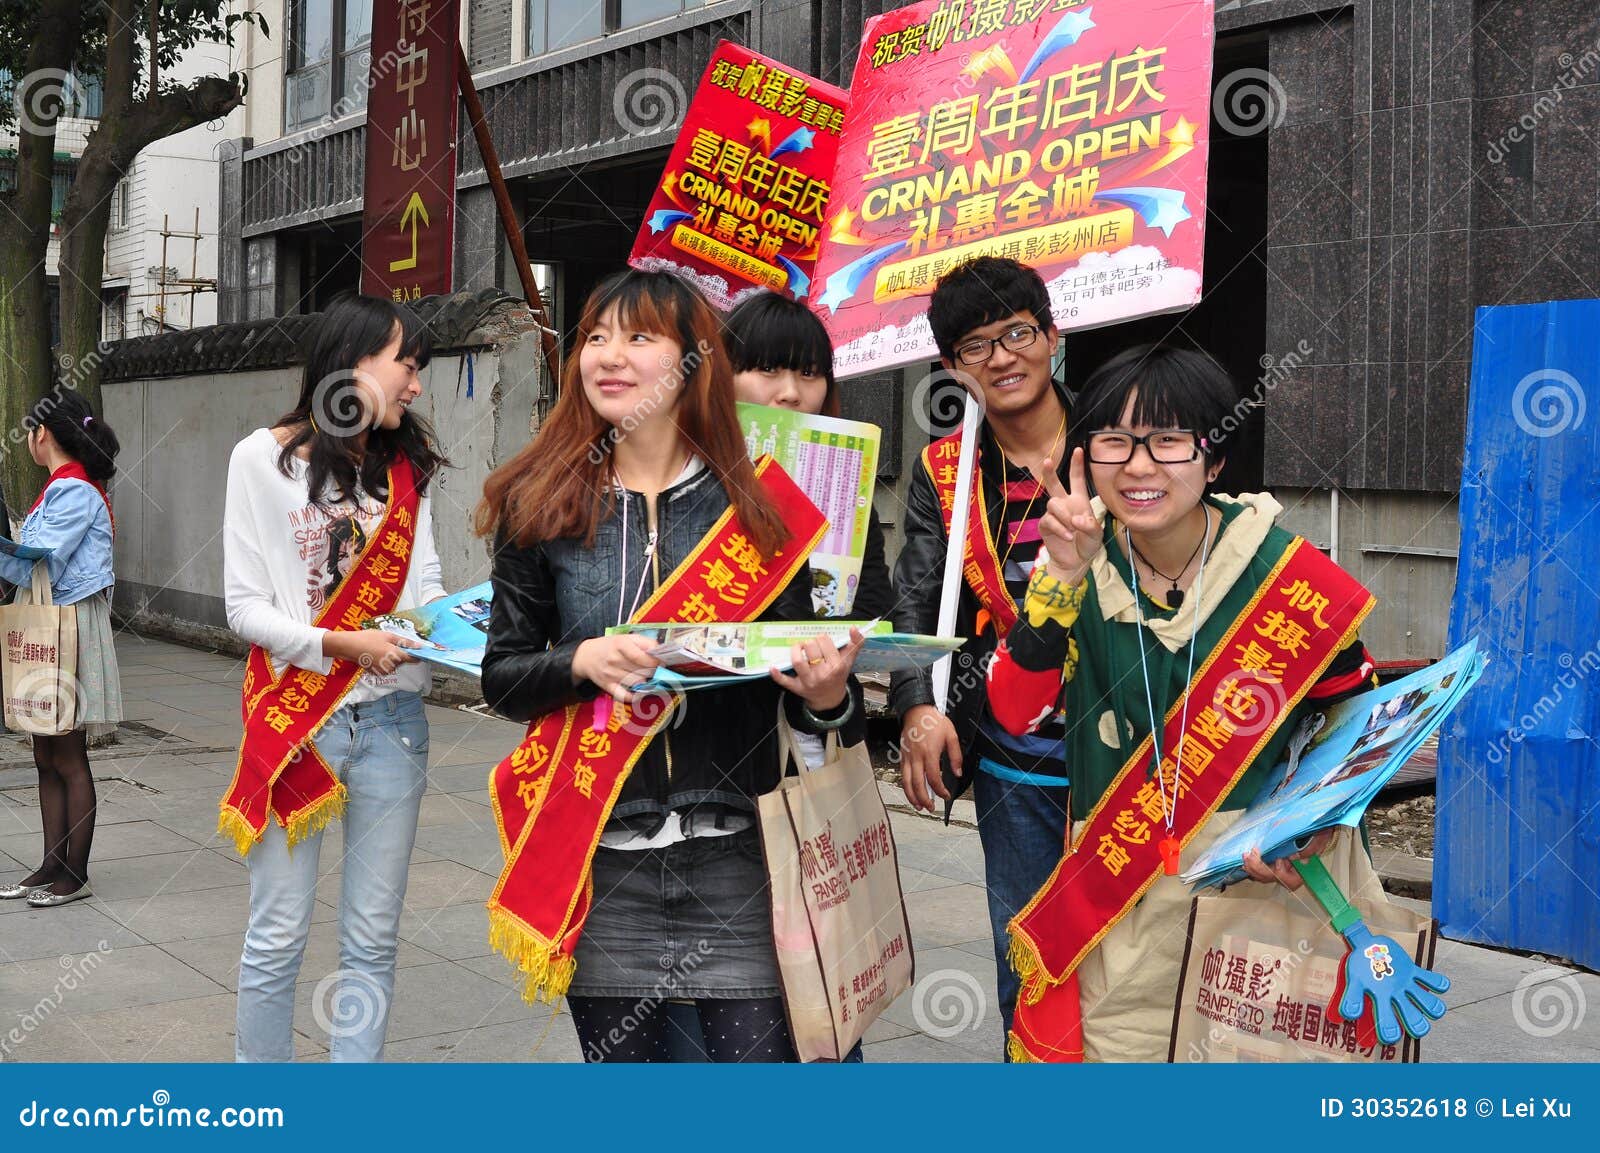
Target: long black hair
{"x": 766, "y": 332}
{"x": 78, "y": 432}
{"x": 329, "y": 413}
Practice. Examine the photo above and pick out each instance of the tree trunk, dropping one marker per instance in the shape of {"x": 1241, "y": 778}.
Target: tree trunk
{"x": 126, "y": 128}
{"x": 83, "y": 258}
{"x": 25, "y": 370}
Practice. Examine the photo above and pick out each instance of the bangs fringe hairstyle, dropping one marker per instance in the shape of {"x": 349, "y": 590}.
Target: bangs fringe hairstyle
{"x": 1171, "y": 387}
{"x": 771, "y": 333}
{"x": 353, "y": 328}
{"x": 559, "y": 485}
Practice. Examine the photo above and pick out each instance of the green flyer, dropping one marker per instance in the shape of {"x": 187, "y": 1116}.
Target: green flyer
{"x": 835, "y": 462}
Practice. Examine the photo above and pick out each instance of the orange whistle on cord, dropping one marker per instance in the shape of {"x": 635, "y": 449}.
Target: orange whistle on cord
{"x": 1169, "y": 848}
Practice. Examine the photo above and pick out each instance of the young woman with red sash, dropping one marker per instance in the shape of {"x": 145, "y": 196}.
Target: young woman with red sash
{"x": 1192, "y": 636}
{"x": 782, "y": 356}
{"x": 634, "y": 872}
{"x": 328, "y": 523}
{"x": 72, "y": 518}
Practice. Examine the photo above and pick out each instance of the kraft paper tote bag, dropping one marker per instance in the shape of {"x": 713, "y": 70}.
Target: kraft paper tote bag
{"x": 41, "y": 662}
{"x": 838, "y": 914}
{"x": 1259, "y": 973}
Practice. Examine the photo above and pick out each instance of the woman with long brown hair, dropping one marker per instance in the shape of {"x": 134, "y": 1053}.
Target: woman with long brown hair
{"x": 636, "y": 501}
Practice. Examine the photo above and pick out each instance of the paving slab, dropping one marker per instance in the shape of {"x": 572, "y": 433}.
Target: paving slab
{"x": 111, "y": 843}
{"x": 957, "y": 855}
{"x": 197, "y": 1029}
{"x": 953, "y": 1000}
{"x": 190, "y": 916}
{"x": 75, "y": 929}
{"x": 428, "y": 999}
{"x": 550, "y": 1040}
{"x": 456, "y": 932}
{"x": 947, "y": 916}
{"x": 218, "y": 957}
{"x": 1555, "y": 1021}
{"x": 160, "y": 873}
{"x": 919, "y": 1048}
{"x": 95, "y": 980}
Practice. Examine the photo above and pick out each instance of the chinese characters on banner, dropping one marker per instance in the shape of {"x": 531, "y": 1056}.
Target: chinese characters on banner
{"x": 408, "y": 222}
{"x": 741, "y": 204}
{"x": 1067, "y": 134}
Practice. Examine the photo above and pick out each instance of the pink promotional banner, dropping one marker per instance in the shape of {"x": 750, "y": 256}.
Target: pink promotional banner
{"x": 1068, "y": 134}
{"x": 740, "y": 205}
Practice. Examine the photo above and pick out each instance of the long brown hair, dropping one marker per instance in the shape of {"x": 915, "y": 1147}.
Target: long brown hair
{"x": 559, "y": 485}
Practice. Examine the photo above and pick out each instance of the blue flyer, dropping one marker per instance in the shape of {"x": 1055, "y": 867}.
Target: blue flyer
{"x": 1363, "y": 743}
{"x": 453, "y": 630}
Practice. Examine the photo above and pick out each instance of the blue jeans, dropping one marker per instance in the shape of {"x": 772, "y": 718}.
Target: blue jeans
{"x": 379, "y": 750}
{"x": 1023, "y": 828}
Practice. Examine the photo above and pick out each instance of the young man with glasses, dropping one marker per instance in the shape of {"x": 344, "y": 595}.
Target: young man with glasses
{"x": 991, "y": 320}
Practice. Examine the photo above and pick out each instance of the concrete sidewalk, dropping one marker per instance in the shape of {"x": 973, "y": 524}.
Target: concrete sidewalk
{"x": 145, "y": 970}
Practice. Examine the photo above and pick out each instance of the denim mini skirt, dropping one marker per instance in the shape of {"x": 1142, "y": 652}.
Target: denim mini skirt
{"x": 690, "y": 920}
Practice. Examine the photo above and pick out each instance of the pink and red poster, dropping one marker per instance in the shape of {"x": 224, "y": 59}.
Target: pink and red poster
{"x": 1068, "y": 134}
{"x": 741, "y": 203}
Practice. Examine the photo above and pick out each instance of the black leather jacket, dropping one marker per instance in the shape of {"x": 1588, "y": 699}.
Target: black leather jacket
{"x": 721, "y": 747}
{"x": 918, "y": 582}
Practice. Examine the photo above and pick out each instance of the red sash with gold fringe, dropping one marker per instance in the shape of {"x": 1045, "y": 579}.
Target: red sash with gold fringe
{"x": 981, "y": 560}
{"x": 280, "y": 772}
{"x": 553, "y": 794}
{"x": 1305, "y": 613}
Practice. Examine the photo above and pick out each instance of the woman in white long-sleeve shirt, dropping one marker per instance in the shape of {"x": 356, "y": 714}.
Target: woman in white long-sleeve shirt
{"x": 327, "y": 523}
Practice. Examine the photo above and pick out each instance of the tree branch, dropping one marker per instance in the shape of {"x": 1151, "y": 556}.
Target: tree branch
{"x": 177, "y": 110}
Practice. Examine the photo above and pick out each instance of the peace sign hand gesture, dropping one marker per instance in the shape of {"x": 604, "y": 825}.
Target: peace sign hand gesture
{"x": 1071, "y": 532}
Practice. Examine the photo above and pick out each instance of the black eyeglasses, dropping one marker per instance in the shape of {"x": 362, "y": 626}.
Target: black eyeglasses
{"x": 981, "y": 348}
{"x": 1165, "y": 446}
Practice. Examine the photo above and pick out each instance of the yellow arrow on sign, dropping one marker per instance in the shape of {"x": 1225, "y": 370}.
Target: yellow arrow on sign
{"x": 414, "y": 208}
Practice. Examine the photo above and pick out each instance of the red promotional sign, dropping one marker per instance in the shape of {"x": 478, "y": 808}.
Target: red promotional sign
{"x": 408, "y": 217}
{"x": 1068, "y": 134}
{"x": 741, "y": 204}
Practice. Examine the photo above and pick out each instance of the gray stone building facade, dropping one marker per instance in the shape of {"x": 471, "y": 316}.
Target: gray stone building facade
{"x": 1379, "y": 169}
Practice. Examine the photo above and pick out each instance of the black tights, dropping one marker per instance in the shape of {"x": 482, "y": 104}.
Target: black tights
{"x": 638, "y": 1029}
{"x": 67, "y": 804}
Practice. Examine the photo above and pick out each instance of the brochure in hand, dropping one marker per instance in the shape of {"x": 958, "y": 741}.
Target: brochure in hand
{"x": 1353, "y": 755}
{"x": 835, "y": 463}
{"x": 696, "y": 656}
{"x": 453, "y": 630}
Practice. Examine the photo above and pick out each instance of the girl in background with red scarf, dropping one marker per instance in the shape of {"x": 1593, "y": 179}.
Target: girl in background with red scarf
{"x": 72, "y": 518}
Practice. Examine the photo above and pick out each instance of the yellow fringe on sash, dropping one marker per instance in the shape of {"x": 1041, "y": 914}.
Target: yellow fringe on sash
{"x": 312, "y": 819}
{"x": 315, "y": 816}
{"x": 1017, "y": 1053}
{"x": 1025, "y": 963}
{"x": 231, "y": 824}
{"x": 546, "y": 973}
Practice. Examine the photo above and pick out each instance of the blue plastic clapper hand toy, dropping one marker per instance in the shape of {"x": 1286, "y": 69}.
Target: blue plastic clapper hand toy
{"x": 1404, "y": 994}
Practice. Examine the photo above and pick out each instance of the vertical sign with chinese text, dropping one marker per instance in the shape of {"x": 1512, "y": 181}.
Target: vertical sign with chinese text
{"x": 741, "y": 203}
{"x": 408, "y": 218}
{"x": 1066, "y": 134}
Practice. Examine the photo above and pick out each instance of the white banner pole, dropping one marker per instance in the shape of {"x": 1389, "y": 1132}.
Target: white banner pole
{"x": 950, "y": 595}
